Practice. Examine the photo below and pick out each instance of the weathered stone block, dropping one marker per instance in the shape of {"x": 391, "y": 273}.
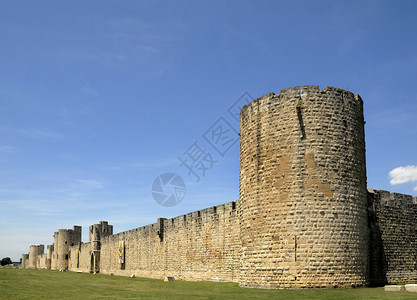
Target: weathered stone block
{"x": 169, "y": 279}
{"x": 394, "y": 288}
{"x": 411, "y": 288}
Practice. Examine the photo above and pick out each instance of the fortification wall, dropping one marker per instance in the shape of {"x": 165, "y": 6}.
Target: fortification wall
{"x": 202, "y": 245}
{"x": 393, "y": 223}
{"x": 83, "y": 263}
{"x": 42, "y": 262}
{"x": 303, "y": 201}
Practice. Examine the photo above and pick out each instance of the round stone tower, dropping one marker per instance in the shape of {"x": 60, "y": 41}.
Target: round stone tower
{"x": 63, "y": 239}
{"x": 303, "y": 199}
{"x": 25, "y": 261}
{"x": 62, "y": 248}
{"x": 34, "y": 251}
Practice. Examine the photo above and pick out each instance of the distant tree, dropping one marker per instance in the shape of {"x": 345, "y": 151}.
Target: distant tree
{"x": 6, "y": 261}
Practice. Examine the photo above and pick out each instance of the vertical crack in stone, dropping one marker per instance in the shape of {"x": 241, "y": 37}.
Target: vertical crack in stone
{"x": 301, "y": 122}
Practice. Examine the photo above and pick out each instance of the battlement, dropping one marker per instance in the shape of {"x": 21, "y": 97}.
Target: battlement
{"x": 181, "y": 220}
{"x": 98, "y": 231}
{"x": 75, "y": 228}
{"x": 305, "y": 89}
{"x": 300, "y": 92}
{"x": 387, "y": 198}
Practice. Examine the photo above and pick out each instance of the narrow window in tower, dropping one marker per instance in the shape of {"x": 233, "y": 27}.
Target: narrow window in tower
{"x": 295, "y": 248}
{"x": 300, "y": 120}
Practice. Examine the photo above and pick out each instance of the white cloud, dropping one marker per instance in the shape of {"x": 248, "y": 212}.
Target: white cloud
{"x": 403, "y": 174}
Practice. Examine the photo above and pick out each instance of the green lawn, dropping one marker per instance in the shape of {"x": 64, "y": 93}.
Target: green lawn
{"x": 46, "y": 284}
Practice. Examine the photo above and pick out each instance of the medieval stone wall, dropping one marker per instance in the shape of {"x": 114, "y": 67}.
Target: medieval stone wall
{"x": 42, "y": 261}
{"x": 202, "y": 245}
{"x": 304, "y": 217}
{"x": 393, "y": 223}
{"x": 80, "y": 257}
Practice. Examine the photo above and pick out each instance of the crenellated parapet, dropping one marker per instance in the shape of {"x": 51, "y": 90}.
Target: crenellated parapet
{"x": 387, "y": 198}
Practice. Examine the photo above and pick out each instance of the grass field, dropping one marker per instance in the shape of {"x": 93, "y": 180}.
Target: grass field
{"x": 46, "y": 284}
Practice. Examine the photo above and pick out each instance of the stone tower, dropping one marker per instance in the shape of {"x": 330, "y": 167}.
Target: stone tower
{"x": 49, "y": 255}
{"x": 25, "y": 261}
{"x": 63, "y": 239}
{"x": 97, "y": 231}
{"x": 34, "y": 251}
{"x": 303, "y": 198}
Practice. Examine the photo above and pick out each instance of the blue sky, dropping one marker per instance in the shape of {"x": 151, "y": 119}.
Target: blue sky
{"x": 98, "y": 98}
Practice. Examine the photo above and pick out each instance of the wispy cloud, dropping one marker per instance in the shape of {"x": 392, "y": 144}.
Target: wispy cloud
{"x": 124, "y": 43}
{"x": 35, "y": 207}
{"x": 6, "y": 152}
{"x": 403, "y": 174}
{"x": 7, "y": 149}
{"x": 89, "y": 91}
{"x": 141, "y": 165}
{"x": 397, "y": 117}
{"x": 87, "y": 184}
{"x": 33, "y": 133}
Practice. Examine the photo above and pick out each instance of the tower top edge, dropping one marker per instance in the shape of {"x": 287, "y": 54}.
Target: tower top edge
{"x": 299, "y": 91}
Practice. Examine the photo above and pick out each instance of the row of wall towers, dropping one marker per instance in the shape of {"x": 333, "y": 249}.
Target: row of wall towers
{"x": 57, "y": 255}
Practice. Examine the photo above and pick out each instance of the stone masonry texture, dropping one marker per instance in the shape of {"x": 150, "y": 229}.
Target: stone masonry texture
{"x": 305, "y": 218}
{"x": 393, "y": 248}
